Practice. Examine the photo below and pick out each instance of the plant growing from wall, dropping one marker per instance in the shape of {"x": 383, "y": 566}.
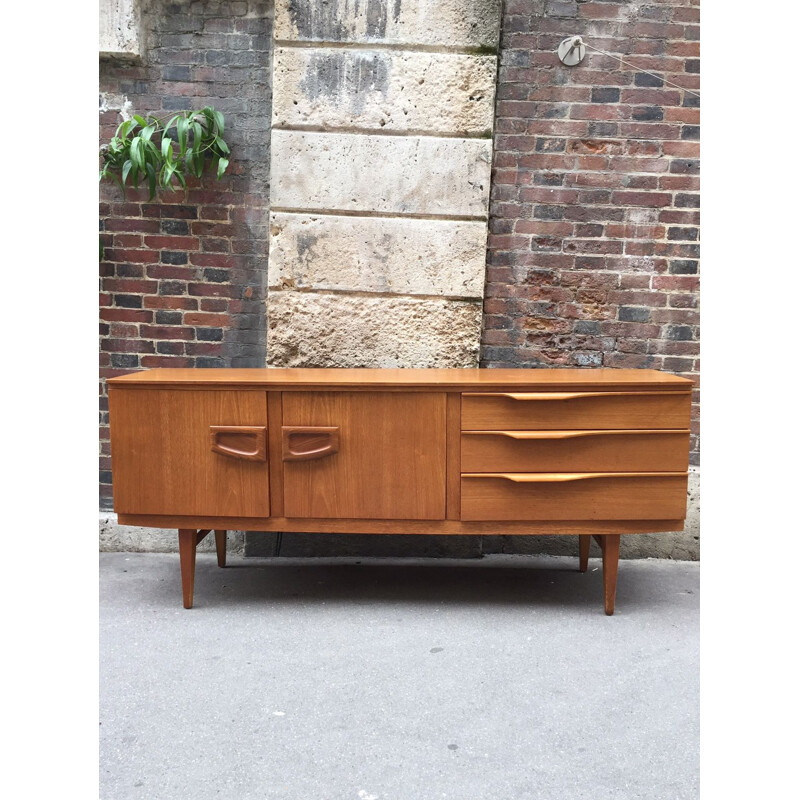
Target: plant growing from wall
{"x": 144, "y": 149}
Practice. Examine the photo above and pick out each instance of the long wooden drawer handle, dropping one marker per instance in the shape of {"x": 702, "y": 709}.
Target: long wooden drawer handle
{"x": 568, "y": 395}
{"x": 306, "y": 444}
{"x": 563, "y": 477}
{"x": 247, "y": 442}
{"x": 564, "y": 434}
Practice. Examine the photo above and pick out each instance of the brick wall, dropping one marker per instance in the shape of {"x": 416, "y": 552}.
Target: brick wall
{"x": 182, "y": 281}
{"x": 593, "y": 250}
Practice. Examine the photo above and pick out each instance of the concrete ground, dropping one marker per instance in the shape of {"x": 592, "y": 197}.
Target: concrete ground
{"x": 497, "y": 678}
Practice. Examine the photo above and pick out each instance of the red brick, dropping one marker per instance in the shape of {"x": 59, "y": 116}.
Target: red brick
{"x": 165, "y": 332}
{"x": 172, "y": 243}
{"x": 125, "y": 315}
{"x": 154, "y": 362}
{"x": 169, "y": 302}
{"x": 207, "y": 320}
{"x": 133, "y": 256}
{"x": 646, "y": 199}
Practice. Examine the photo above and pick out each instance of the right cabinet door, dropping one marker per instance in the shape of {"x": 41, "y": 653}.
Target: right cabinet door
{"x": 364, "y": 455}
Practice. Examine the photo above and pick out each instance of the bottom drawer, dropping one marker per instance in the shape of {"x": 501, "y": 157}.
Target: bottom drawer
{"x": 573, "y": 496}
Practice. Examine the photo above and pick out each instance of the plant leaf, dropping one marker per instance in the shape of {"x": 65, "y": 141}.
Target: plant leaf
{"x": 137, "y": 155}
{"x": 183, "y": 128}
{"x": 151, "y": 179}
{"x": 221, "y": 167}
{"x": 126, "y": 168}
{"x": 220, "y": 120}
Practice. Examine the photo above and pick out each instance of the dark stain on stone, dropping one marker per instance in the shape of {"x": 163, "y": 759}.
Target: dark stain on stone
{"x": 348, "y": 75}
{"x": 377, "y": 18}
{"x": 318, "y": 19}
{"x": 326, "y": 19}
{"x": 305, "y": 241}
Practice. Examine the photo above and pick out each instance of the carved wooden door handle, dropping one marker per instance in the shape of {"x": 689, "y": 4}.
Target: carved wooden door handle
{"x": 308, "y": 443}
{"x": 240, "y": 441}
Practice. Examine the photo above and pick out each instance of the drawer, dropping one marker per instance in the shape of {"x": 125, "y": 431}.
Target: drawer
{"x": 575, "y": 410}
{"x": 575, "y": 451}
{"x": 573, "y": 496}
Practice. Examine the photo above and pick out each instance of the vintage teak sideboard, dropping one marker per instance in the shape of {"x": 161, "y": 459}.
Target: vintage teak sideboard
{"x": 448, "y": 451}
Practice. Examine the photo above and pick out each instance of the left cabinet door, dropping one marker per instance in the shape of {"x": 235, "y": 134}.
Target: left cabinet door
{"x": 189, "y": 453}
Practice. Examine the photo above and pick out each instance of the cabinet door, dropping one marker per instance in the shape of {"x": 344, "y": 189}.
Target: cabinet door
{"x": 385, "y": 455}
{"x": 191, "y": 453}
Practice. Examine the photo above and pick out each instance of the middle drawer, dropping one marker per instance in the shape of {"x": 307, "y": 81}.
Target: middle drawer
{"x": 575, "y": 451}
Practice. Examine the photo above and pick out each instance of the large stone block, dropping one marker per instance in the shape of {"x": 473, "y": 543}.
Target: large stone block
{"x": 339, "y": 330}
{"x": 449, "y": 23}
{"x": 119, "y": 24}
{"x": 378, "y": 89}
{"x": 377, "y": 254}
{"x": 387, "y": 174}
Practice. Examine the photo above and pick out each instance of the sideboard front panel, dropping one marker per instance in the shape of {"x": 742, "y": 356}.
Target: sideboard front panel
{"x": 379, "y": 455}
{"x": 197, "y": 453}
{"x": 575, "y": 410}
{"x": 575, "y": 451}
{"x": 574, "y": 496}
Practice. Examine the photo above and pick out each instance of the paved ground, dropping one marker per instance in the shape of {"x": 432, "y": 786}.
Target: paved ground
{"x": 498, "y": 678}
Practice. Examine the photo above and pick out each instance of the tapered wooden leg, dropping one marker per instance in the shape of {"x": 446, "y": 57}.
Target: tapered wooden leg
{"x": 610, "y": 565}
{"x": 187, "y": 546}
{"x": 584, "y": 540}
{"x": 222, "y": 546}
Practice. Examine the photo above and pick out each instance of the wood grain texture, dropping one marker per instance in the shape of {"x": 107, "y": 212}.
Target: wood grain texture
{"x": 575, "y": 451}
{"x": 603, "y": 498}
{"x": 240, "y": 441}
{"x": 309, "y": 443}
{"x": 391, "y": 463}
{"x": 610, "y": 569}
{"x": 454, "y": 455}
{"x": 274, "y": 434}
{"x": 591, "y": 412}
{"x": 584, "y": 543}
{"x": 423, "y": 527}
{"x": 434, "y": 379}
{"x": 162, "y": 460}
{"x": 187, "y": 549}
{"x": 221, "y": 538}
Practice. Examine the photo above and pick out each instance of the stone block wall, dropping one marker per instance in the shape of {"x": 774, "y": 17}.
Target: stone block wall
{"x": 381, "y": 155}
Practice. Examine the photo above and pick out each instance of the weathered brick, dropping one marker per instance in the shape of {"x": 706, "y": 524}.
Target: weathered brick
{"x": 625, "y": 252}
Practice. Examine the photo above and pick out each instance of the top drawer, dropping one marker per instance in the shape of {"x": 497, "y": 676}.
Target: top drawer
{"x": 575, "y": 410}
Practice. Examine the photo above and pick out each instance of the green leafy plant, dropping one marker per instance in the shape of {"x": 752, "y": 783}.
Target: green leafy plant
{"x": 163, "y": 155}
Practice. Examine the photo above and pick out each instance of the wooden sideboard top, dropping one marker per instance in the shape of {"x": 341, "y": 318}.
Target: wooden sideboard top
{"x": 453, "y": 379}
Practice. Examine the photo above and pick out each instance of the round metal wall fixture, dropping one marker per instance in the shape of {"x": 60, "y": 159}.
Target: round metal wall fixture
{"x": 571, "y": 51}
